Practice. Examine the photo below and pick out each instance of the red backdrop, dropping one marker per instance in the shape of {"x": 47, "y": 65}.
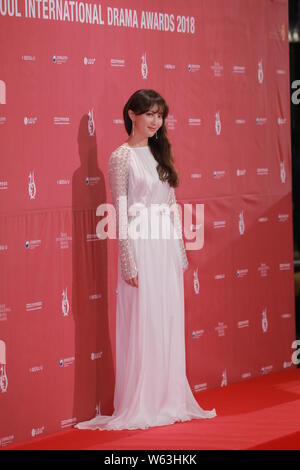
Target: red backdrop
{"x": 223, "y": 67}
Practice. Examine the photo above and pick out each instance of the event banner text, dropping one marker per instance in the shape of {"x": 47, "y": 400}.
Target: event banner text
{"x": 95, "y": 13}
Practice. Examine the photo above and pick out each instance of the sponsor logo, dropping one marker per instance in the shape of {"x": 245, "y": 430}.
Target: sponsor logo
{"x": 221, "y": 328}
{"x": 37, "y": 431}
{"x": 31, "y": 306}
{"x": 200, "y": 387}
{"x": 64, "y": 240}
{"x": 32, "y": 244}
{"x": 3, "y": 185}
{"x": 194, "y": 121}
{"x": 261, "y": 121}
{"x": 241, "y": 273}
{"x": 284, "y": 266}
{"x": 61, "y": 121}
{"x": 219, "y": 224}
{"x": 171, "y": 122}
{"x": 96, "y": 355}
{"x": 193, "y": 67}
{"x": 239, "y": 69}
{"x": 263, "y": 269}
{"x": 197, "y": 334}
{"x": 30, "y": 58}
{"x": 30, "y": 121}
{"x": 217, "y": 69}
{"x": 67, "y": 361}
{"x": 89, "y": 60}
{"x": 117, "y": 62}
{"x": 59, "y": 59}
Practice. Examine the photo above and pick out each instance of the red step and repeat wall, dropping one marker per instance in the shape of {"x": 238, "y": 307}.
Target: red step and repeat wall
{"x": 67, "y": 69}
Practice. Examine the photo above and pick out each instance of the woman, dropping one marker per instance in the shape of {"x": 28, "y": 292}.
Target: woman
{"x": 151, "y": 386}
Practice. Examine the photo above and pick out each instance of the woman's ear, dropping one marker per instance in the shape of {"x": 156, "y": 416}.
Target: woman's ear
{"x": 131, "y": 114}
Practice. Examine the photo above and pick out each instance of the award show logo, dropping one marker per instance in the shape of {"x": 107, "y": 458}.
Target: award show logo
{"x": 241, "y": 223}
{"x": 264, "y": 321}
{"x": 282, "y": 172}
{"x": 2, "y": 92}
{"x": 224, "y": 378}
{"x": 31, "y": 186}
{"x": 260, "y": 72}
{"x": 196, "y": 281}
{"x": 3, "y": 376}
{"x": 98, "y": 409}
{"x": 91, "y": 123}
{"x": 65, "y": 306}
{"x": 144, "y": 66}
{"x": 218, "y": 123}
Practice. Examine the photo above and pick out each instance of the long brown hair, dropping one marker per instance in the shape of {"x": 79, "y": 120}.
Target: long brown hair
{"x": 140, "y": 102}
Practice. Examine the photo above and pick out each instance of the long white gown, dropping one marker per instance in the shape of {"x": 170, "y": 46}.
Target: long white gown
{"x": 151, "y": 387}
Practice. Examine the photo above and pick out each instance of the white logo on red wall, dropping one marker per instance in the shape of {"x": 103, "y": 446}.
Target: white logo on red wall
{"x": 3, "y": 375}
{"x": 98, "y": 409}
{"x": 91, "y": 123}
{"x": 89, "y": 60}
{"x": 59, "y": 59}
{"x": 2, "y": 92}
{"x": 241, "y": 223}
{"x": 218, "y": 126}
{"x": 144, "y": 66}
{"x": 65, "y": 306}
{"x": 224, "y": 378}
{"x": 36, "y": 431}
{"x": 264, "y": 321}
{"x": 260, "y": 72}
{"x": 31, "y": 186}
{"x": 282, "y": 172}
{"x": 196, "y": 281}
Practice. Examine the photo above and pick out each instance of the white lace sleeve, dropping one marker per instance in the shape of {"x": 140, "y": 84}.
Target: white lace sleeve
{"x": 118, "y": 171}
{"x": 178, "y": 227}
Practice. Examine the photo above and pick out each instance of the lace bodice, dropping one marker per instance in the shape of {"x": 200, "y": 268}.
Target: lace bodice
{"x": 120, "y": 166}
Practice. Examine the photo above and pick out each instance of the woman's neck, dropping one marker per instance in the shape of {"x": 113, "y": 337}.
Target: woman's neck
{"x": 138, "y": 142}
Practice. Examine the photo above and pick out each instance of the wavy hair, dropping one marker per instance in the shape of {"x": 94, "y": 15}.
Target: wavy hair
{"x": 140, "y": 102}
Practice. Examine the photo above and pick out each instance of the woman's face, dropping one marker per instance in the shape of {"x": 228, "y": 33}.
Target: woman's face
{"x": 148, "y": 123}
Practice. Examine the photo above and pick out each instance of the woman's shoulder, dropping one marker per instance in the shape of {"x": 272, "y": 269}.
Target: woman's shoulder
{"x": 122, "y": 150}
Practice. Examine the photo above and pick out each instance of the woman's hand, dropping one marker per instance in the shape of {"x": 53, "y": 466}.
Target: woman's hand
{"x": 133, "y": 281}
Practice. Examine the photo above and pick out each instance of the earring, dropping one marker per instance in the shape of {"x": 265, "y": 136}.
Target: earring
{"x": 132, "y": 128}
{"x": 156, "y": 135}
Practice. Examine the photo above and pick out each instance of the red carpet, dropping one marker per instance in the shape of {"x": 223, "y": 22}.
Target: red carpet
{"x": 261, "y": 413}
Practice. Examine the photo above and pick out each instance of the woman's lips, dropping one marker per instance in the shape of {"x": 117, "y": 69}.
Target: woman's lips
{"x": 152, "y": 128}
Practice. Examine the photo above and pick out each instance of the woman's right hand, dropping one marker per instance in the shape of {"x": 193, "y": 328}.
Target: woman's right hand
{"x": 133, "y": 281}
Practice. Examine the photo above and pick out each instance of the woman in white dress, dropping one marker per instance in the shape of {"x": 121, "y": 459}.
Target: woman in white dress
{"x": 151, "y": 387}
